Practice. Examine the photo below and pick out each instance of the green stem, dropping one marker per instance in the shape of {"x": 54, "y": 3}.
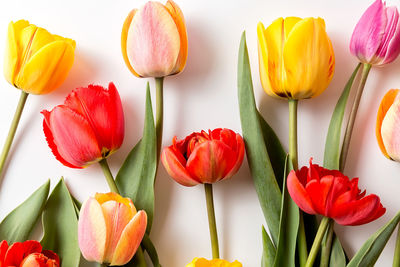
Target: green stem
{"x": 302, "y": 241}
{"x": 211, "y": 220}
{"x": 396, "y": 258}
{"x": 140, "y": 261}
{"x": 159, "y": 113}
{"x": 353, "y": 114}
{"x": 109, "y": 177}
{"x": 327, "y": 245}
{"x": 317, "y": 241}
{"x": 13, "y": 129}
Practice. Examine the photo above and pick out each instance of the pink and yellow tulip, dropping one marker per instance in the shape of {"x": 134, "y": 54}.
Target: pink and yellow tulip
{"x": 36, "y": 61}
{"x": 202, "y": 262}
{"x": 154, "y": 40}
{"x": 376, "y": 37}
{"x": 106, "y": 238}
{"x": 88, "y": 127}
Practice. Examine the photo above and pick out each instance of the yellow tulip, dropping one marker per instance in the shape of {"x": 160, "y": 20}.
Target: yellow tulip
{"x": 296, "y": 57}
{"x": 201, "y": 262}
{"x": 36, "y": 61}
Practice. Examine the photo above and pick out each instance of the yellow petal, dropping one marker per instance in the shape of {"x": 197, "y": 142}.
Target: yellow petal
{"x": 11, "y": 56}
{"x": 47, "y": 69}
{"x": 111, "y": 196}
{"x": 308, "y": 58}
{"x": 124, "y": 37}
{"x": 289, "y": 23}
{"x": 202, "y": 262}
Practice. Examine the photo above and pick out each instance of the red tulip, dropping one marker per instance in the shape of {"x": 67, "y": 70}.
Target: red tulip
{"x": 317, "y": 190}
{"x": 27, "y": 254}
{"x": 204, "y": 158}
{"x": 88, "y": 127}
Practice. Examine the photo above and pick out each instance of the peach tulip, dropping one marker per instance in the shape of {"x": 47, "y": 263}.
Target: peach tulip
{"x": 110, "y": 229}
{"x": 154, "y": 40}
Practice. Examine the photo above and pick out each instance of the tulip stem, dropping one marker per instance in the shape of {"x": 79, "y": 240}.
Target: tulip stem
{"x": 326, "y": 246}
{"x": 159, "y": 113}
{"x": 353, "y": 114}
{"x": 109, "y": 177}
{"x": 13, "y": 129}
{"x": 396, "y": 258}
{"x": 211, "y": 220}
{"x": 317, "y": 241}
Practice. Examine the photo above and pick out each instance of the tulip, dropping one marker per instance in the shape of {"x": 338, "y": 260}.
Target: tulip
{"x": 376, "y": 37}
{"x": 388, "y": 125}
{"x": 36, "y": 61}
{"x": 27, "y": 254}
{"x": 87, "y": 128}
{"x": 154, "y": 40}
{"x": 317, "y": 190}
{"x": 110, "y": 229}
{"x": 201, "y": 262}
{"x": 204, "y": 157}
{"x": 296, "y": 57}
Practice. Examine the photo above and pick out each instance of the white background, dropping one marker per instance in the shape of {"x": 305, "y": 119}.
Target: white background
{"x": 204, "y": 96}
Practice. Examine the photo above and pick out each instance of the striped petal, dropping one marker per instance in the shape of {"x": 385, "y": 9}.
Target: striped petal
{"x": 124, "y": 38}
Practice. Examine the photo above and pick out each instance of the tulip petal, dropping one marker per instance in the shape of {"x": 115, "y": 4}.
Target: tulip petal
{"x": 153, "y": 41}
{"x": 318, "y": 191}
{"x": 390, "y": 46}
{"x": 390, "y": 131}
{"x": 70, "y": 137}
{"x": 211, "y": 161}
{"x": 299, "y": 194}
{"x": 369, "y": 31}
{"x": 124, "y": 37}
{"x": 18, "y": 251}
{"x": 175, "y": 168}
{"x": 3, "y": 250}
{"x": 308, "y": 59}
{"x": 92, "y": 231}
{"x": 47, "y": 69}
{"x": 240, "y": 154}
{"x": 179, "y": 20}
{"x": 102, "y": 108}
{"x": 130, "y": 239}
{"x": 386, "y": 103}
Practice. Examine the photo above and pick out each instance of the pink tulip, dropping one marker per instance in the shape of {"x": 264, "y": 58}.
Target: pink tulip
{"x": 376, "y": 38}
{"x": 110, "y": 229}
{"x": 88, "y": 127}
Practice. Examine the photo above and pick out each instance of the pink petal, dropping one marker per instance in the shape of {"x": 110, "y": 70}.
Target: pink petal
{"x": 390, "y": 47}
{"x": 390, "y": 131}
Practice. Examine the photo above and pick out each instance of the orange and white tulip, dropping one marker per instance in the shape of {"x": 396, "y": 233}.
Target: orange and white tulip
{"x": 154, "y": 40}
{"x": 110, "y": 229}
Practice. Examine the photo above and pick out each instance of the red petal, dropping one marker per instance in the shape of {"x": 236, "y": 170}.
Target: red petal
{"x": 3, "y": 250}
{"x": 299, "y": 194}
{"x": 51, "y": 255}
{"x": 18, "y": 251}
{"x": 239, "y": 144}
{"x": 318, "y": 192}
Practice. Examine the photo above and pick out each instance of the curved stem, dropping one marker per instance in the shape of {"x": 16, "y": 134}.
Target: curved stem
{"x": 109, "y": 177}
{"x": 326, "y": 247}
{"x": 211, "y": 220}
{"x": 159, "y": 113}
{"x": 317, "y": 241}
{"x": 396, "y": 258}
{"x": 13, "y": 129}
{"x": 353, "y": 114}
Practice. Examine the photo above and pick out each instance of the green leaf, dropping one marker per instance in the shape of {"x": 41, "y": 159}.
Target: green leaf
{"x": 372, "y": 248}
{"x": 262, "y": 172}
{"x": 17, "y": 225}
{"x": 276, "y": 153}
{"x": 289, "y": 226}
{"x": 151, "y": 250}
{"x": 338, "y": 258}
{"x": 136, "y": 177}
{"x": 269, "y": 250}
{"x": 60, "y": 226}
{"x": 332, "y": 144}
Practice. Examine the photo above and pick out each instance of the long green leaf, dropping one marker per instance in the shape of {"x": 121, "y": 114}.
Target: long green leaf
{"x": 332, "y": 144}
{"x": 288, "y": 228}
{"x": 338, "y": 258}
{"x": 17, "y": 225}
{"x": 151, "y": 250}
{"x": 263, "y": 175}
{"x": 372, "y": 248}
{"x": 269, "y": 250}
{"x": 60, "y": 226}
{"x": 136, "y": 177}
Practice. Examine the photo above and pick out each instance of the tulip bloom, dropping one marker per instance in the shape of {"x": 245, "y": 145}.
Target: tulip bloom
{"x": 204, "y": 158}
{"x": 87, "y": 128}
{"x": 376, "y": 37}
{"x": 201, "y": 262}
{"x": 36, "y": 61}
{"x": 154, "y": 40}
{"x": 27, "y": 254}
{"x": 317, "y": 190}
{"x": 110, "y": 229}
{"x": 388, "y": 125}
{"x": 296, "y": 57}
